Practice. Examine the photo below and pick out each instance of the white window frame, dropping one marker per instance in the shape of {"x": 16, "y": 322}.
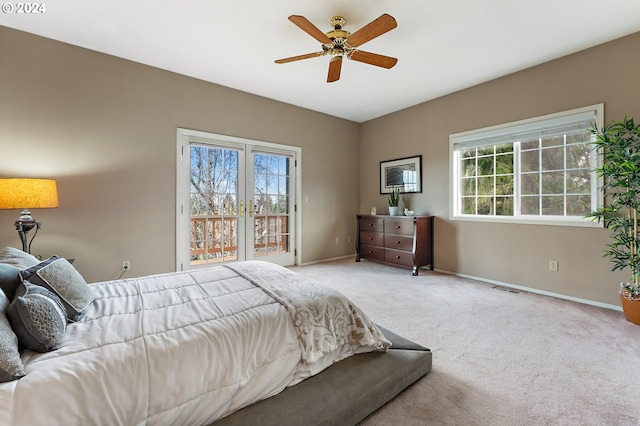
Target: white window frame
{"x": 512, "y": 133}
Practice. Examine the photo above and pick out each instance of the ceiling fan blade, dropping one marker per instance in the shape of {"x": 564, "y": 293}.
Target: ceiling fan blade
{"x": 373, "y": 59}
{"x": 310, "y": 29}
{"x": 334, "y": 69}
{"x": 373, "y": 29}
{"x": 299, "y": 57}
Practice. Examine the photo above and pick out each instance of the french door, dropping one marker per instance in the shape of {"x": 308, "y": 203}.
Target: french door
{"x": 237, "y": 201}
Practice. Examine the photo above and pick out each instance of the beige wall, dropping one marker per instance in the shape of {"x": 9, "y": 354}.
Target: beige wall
{"x": 105, "y": 128}
{"x": 514, "y": 254}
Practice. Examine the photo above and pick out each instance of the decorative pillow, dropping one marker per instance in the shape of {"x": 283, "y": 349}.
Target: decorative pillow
{"x": 9, "y": 279}
{"x": 59, "y": 276}
{"x": 11, "y": 367}
{"x": 17, "y": 258}
{"x": 37, "y": 317}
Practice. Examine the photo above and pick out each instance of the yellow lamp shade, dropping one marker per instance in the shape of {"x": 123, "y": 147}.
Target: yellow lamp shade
{"x": 20, "y": 193}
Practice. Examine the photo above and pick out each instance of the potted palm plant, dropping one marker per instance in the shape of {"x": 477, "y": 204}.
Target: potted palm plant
{"x": 394, "y": 199}
{"x": 618, "y": 144}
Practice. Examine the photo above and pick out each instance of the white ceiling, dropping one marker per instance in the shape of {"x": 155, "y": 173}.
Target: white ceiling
{"x": 441, "y": 46}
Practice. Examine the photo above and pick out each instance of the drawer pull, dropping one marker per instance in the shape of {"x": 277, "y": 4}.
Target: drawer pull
{"x": 398, "y": 226}
{"x": 370, "y": 251}
{"x": 397, "y": 257}
{"x": 371, "y": 224}
{"x": 370, "y": 238}
{"x": 397, "y": 242}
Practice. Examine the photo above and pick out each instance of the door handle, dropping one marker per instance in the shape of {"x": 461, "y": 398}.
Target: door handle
{"x": 250, "y": 208}
{"x": 241, "y": 208}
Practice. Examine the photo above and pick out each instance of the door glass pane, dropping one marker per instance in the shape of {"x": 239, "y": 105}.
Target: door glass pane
{"x": 214, "y": 204}
{"x": 271, "y": 199}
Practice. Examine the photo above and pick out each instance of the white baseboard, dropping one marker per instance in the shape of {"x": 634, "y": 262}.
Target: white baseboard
{"x": 328, "y": 260}
{"x": 534, "y": 290}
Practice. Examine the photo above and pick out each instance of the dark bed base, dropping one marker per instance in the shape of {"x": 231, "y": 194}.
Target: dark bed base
{"x": 344, "y": 393}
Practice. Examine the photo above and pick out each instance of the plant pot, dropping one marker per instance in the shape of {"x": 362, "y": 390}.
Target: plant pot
{"x": 393, "y": 211}
{"x": 631, "y": 309}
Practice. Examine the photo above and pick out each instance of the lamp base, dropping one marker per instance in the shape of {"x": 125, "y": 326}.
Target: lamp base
{"x": 24, "y": 224}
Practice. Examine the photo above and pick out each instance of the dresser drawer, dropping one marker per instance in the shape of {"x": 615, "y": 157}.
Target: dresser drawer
{"x": 398, "y": 242}
{"x": 371, "y": 224}
{"x": 371, "y": 252}
{"x": 404, "y": 227}
{"x": 372, "y": 238}
{"x": 398, "y": 257}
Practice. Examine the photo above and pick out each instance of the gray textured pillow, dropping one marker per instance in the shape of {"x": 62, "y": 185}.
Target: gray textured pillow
{"x": 18, "y": 258}
{"x": 38, "y": 318}
{"x": 11, "y": 367}
{"x": 59, "y": 276}
{"x": 9, "y": 279}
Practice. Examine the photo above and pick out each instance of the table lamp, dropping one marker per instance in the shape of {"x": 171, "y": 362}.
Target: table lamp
{"x": 27, "y": 194}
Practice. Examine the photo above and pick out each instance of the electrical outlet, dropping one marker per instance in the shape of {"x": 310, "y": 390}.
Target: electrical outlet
{"x": 337, "y": 240}
{"x": 348, "y": 239}
{"x": 126, "y": 265}
{"x": 553, "y": 265}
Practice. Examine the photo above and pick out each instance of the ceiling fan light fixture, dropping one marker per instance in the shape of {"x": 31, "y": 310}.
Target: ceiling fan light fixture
{"x": 339, "y": 43}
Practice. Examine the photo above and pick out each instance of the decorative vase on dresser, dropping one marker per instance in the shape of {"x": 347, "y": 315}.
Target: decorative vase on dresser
{"x": 396, "y": 240}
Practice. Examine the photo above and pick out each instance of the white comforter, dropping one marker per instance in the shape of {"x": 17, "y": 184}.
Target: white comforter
{"x": 182, "y": 349}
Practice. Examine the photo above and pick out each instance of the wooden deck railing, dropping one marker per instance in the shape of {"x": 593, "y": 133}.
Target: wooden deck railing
{"x": 276, "y": 236}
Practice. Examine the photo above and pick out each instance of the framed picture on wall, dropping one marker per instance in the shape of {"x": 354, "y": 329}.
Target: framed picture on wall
{"x": 403, "y": 173}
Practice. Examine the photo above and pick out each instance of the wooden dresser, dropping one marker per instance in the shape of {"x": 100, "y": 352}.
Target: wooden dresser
{"x": 405, "y": 241}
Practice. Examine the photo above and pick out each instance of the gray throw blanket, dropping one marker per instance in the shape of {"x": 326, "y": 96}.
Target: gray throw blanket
{"x": 325, "y": 318}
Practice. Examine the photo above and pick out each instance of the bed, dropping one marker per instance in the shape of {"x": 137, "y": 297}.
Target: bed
{"x": 231, "y": 344}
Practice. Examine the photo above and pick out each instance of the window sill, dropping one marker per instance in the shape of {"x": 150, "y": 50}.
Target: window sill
{"x": 549, "y": 220}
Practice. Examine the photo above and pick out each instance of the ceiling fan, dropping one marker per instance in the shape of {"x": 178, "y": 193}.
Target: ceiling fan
{"x": 340, "y": 43}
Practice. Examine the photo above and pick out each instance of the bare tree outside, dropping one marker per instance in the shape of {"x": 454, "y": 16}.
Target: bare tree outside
{"x": 215, "y": 204}
{"x": 272, "y": 174}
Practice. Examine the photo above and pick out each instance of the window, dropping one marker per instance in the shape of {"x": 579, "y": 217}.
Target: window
{"x": 531, "y": 171}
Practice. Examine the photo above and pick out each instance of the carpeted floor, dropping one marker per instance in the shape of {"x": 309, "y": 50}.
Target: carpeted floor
{"x": 499, "y": 358}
